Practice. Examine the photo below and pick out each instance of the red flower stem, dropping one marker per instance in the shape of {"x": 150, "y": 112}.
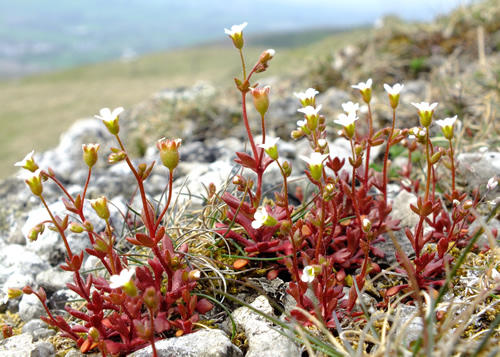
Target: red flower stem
{"x": 79, "y": 281}
{"x": 148, "y": 223}
{"x": 295, "y": 263}
{"x": 321, "y": 223}
{"x": 85, "y": 187}
{"x": 354, "y": 200}
{"x": 368, "y": 147}
{"x": 243, "y": 63}
{"x": 386, "y": 156}
{"x": 58, "y": 227}
{"x": 247, "y": 125}
{"x": 419, "y": 236}
{"x": 170, "y": 184}
{"x": 167, "y": 269}
{"x": 70, "y": 331}
{"x": 80, "y": 213}
{"x": 429, "y": 165}
{"x": 452, "y": 167}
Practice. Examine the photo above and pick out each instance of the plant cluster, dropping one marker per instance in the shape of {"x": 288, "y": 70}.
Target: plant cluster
{"x": 324, "y": 244}
{"x": 140, "y": 302}
{"x": 344, "y": 220}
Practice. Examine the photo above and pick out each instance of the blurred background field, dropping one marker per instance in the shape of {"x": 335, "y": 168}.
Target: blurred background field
{"x": 61, "y": 61}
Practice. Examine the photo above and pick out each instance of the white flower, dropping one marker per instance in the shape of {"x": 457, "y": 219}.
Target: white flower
{"x": 362, "y": 85}
{"x": 301, "y": 123}
{"x": 310, "y": 111}
{"x": 492, "y": 183}
{"x": 28, "y": 175}
{"x": 456, "y": 202}
{"x": 24, "y": 161}
{"x": 107, "y": 115}
{"x": 308, "y": 274}
{"x": 322, "y": 143}
{"x": 346, "y": 120}
{"x": 315, "y": 159}
{"x": 350, "y": 107}
{"x": 394, "y": 90}
{"x": 262, "y": 218}
{"x": 424, "y": 106}
{"x": 117, "y": 281}
{"x": 235, "y": 29}
{"x": 447, "y": 122}
{"x": 310, "y": 93}
{"x": 269, "y": 143}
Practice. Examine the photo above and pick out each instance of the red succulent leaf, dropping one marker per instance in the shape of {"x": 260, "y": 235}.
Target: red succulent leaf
{"x": 246, "y": 160}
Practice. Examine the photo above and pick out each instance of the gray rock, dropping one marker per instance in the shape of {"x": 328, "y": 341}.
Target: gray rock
{"x": 67, "y": 158}
{"x": 54, "y": 279}
{"x": 477, "y": 168}
{"x": 16, "y": 258}
{"x": 23, "y": 346}
{"x": 203, "y": 343}
{"x": 263, "y": 339}
{"x": 414, "y": 328}
{"x": 483, "y": 238}
{"x": 19, "y": 281}
{"x": 389, "y": 249}
{"x": 38, "y": 329}
{"x": 30, "y": 308}
{"x": 401, "y": 209}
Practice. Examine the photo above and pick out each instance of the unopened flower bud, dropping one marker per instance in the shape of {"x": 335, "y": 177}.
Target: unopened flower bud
{"x": 89, "y": 227}
{"x": 76, "y": 227}
{"x": 366, "y": 225}
{"x": 435, "y": 158}
{"x": 27, "y": 290}
{"x": 287, "y": 168}
{"x": 118, "y": 156}
{"x": 169, "y": 152}
{"x": 36, "y": 231}
{"x": 90, "y": 154}
{"x": 285, "y": 228}
{"x": 151, "y": 298}
{"x": 93, "y": 334}
{"x": 266, "y": 56}
{"x": 358, "y": 149}
{"x": 194, "y": 274}
{"x": 468, "y": 204}
{"x": 100, "y": 206}
{"x": 261, "y": 99}
{"x": 492, "y": 183}
{"x": 297, "y": 134}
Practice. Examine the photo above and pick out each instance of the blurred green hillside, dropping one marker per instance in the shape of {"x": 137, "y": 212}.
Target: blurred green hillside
{"x": 36, "y": 110}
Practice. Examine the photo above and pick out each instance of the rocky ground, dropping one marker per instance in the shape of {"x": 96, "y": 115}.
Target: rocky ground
{"x": 453, "y": 61}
